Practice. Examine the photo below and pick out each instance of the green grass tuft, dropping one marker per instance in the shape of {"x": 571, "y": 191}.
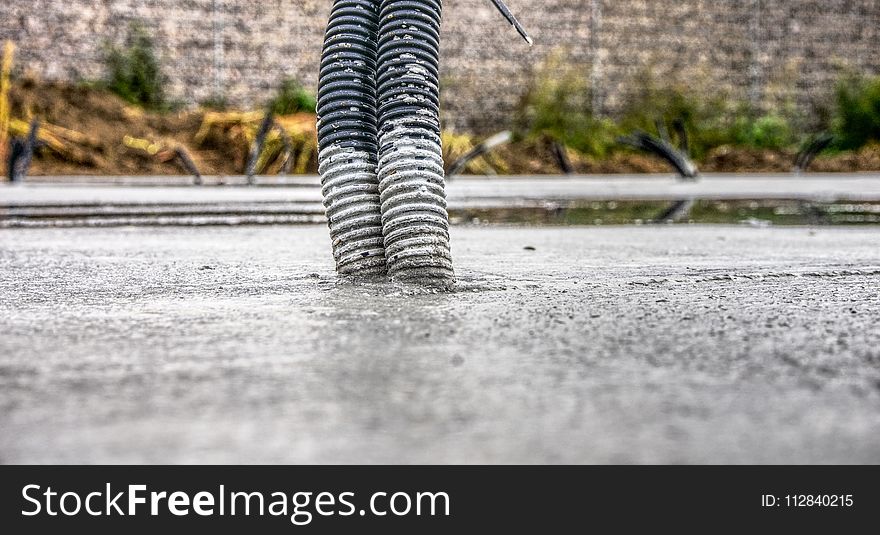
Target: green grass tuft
{"x": 134, "y": 72}
{"x": 293, "y": 98}
{"x": 856, "y": 119}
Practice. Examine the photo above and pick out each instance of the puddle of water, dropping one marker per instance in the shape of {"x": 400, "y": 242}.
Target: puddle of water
{"x": 753, "y": 212}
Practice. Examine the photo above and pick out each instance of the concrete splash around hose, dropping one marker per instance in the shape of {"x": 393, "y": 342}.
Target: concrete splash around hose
{"x": 351, "y": 198}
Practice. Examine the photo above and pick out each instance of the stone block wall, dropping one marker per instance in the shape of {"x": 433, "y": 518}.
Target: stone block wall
{"x": 763, "y": 51}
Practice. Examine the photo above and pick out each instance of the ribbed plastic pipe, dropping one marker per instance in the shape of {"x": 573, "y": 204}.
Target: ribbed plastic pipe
{"x": 415, "y": 222}
{"x": 348, "y": 138}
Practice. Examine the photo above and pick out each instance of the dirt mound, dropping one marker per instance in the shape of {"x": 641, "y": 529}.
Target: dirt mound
{"x": 736, "y": 159}
{"x": 107, "y": 131}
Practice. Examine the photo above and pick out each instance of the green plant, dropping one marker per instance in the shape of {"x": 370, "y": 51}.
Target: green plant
{"x": 558, "y": 106}
{"x": 134, "y": 73}
{"x": 708, "y": 119}
{"x": 769, "y": 131}
{"x": 292, "y": 98}
{"x": 711, "y": 120}
{"x": 857, "y": 112}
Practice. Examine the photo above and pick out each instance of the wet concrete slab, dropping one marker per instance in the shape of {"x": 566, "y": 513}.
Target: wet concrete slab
{"x": 464, "y": 191}
{"x": 683, "y": 344}
{"x": 166, "y": 201}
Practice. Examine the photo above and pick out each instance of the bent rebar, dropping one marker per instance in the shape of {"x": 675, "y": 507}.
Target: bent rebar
{"x": 661, "y": 146}
{"x": 184, "y": 158}
{"x": 485, "y": 147}
{"x": 257, "y": 147}
{"x": 678, "y": 158}
{"x": 809, "y": 152}
{"x": 22, "y": 152}
{"x": 560, "y": 154}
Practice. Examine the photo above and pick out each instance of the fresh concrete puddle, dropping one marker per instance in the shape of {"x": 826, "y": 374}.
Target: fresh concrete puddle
{"x": 755, "y": 212}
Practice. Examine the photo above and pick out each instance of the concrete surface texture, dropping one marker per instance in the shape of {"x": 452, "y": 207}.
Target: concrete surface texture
{"x": 561, "y": 345}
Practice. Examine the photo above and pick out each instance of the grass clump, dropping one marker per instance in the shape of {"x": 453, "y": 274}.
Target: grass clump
{"x": 856, "y": 120}
{"x": 134, "y": 72}
{"x": 293, "y": 98}
{"x": 711, "y": 120}
{"x": 558, "y": 106}
{"x": 652, "y": 105}
{"x": 769, "y": 131}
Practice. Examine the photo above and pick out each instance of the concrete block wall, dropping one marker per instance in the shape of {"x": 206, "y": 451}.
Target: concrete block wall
{"x": 764, "y": 51}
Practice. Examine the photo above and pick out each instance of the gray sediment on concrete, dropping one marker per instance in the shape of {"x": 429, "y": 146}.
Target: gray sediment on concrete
{"x": 559, "y": 345}
{"x": 415, "y": 221}
{"x": 350, "y": 191}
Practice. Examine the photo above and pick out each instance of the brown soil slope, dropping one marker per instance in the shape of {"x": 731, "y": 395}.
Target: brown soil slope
{"x": 101, "y": 123}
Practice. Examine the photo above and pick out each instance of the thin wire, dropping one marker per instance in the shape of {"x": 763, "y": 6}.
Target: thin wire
{"x": 512, "y": 20}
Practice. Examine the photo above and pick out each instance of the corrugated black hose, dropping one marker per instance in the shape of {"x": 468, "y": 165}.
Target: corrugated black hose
{"x": 379, "y": 139}
{"x": 347, "y": 137}
{"x": 415, "y": 222}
